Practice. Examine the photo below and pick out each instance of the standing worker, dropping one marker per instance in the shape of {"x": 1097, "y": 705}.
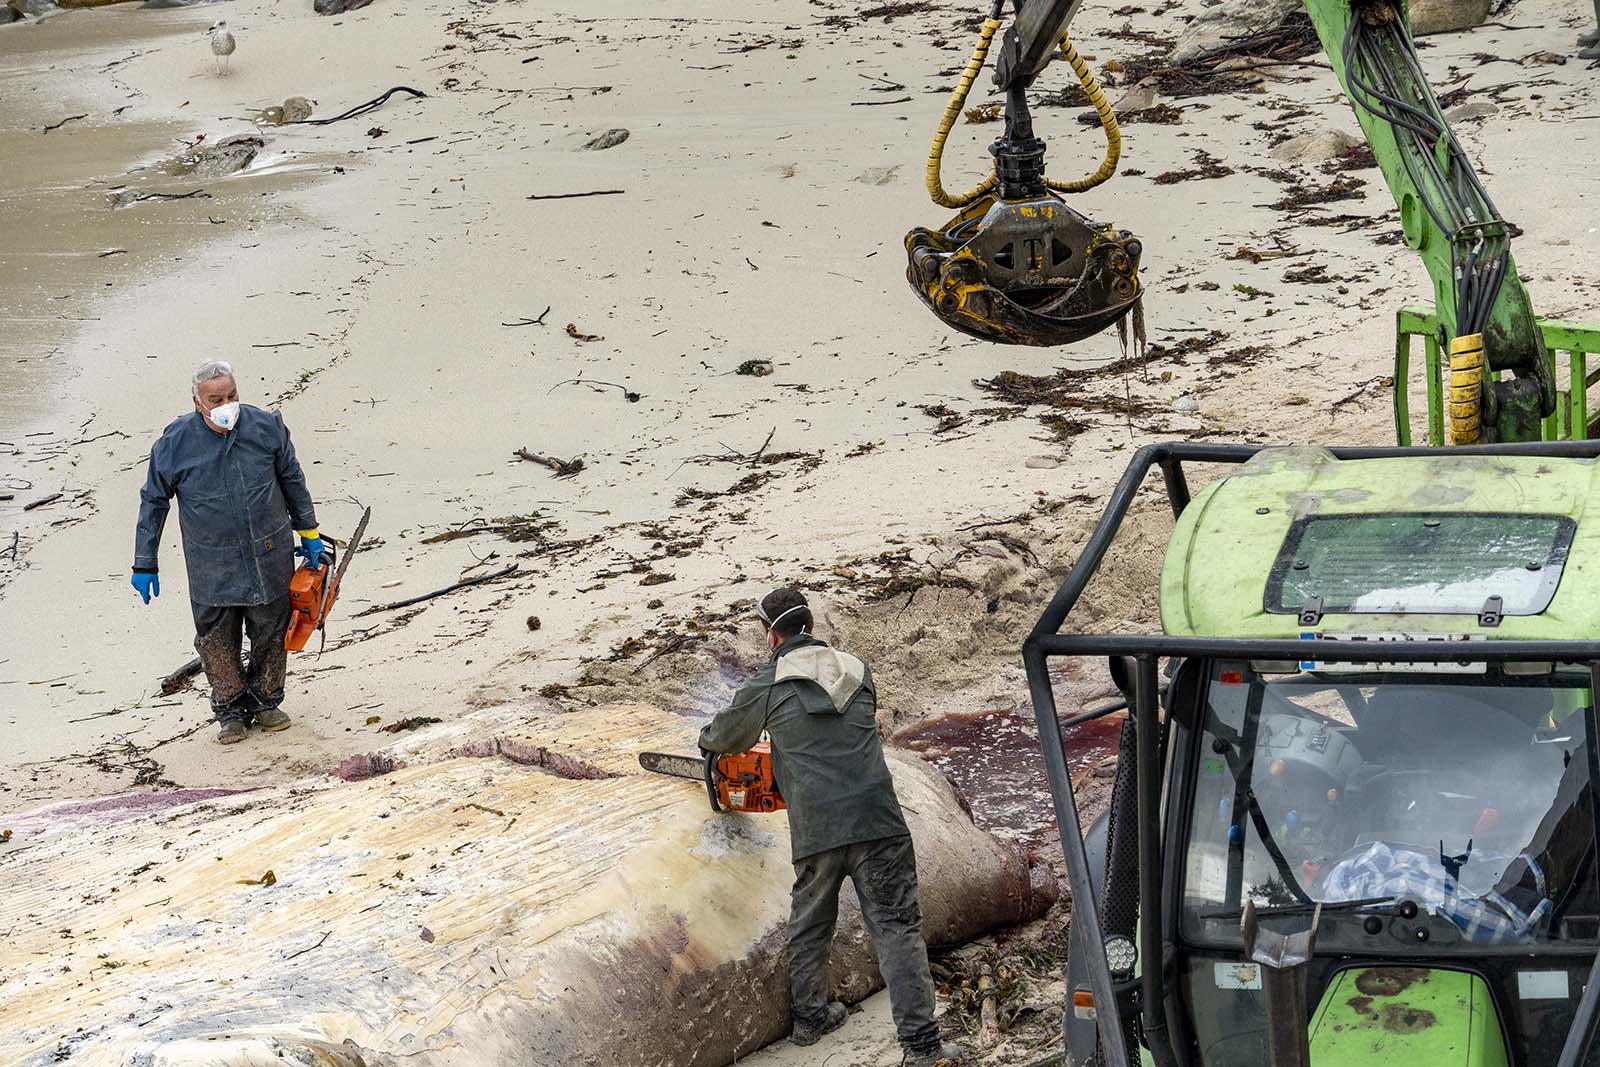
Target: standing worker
{"x": 819, "y": 708}
{"x": 240, "y": 495}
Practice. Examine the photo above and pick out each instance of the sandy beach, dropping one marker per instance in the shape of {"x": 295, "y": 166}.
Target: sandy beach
{"x": 421, "y": 293}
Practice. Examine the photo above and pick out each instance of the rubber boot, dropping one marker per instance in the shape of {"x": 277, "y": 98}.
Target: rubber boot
{"x": 233, "y": 731}
{"x": 272, "y": 719}
{"x": 1591, "y": 40}
{"x": 831, "y": 1021}
{"x": 943, "y": 1052}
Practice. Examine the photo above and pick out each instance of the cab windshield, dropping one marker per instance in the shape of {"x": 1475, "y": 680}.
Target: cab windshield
{"x": 1468, "y": 794}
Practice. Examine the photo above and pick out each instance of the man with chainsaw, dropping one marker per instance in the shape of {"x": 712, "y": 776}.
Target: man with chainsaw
{"x": 819, "y": 709}
{"x": 241, "y": 498}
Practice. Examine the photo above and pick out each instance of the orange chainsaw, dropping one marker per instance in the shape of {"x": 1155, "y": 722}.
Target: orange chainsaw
{"x": 735, "y": 781}
{"x": 313, "y": 589}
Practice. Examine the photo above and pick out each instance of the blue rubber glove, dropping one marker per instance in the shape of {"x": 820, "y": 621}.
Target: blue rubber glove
{"x": 311, "y": 549}
{"x": 148, "y": 585}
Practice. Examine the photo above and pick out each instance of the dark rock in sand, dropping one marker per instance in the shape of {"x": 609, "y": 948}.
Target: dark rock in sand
{"x": 8, "y": 14}
{"x": 338, "y": 7}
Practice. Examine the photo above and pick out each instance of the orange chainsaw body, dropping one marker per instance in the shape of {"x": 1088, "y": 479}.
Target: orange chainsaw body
{"x": 744, "y": 780}
{"x": 311, "y": 594}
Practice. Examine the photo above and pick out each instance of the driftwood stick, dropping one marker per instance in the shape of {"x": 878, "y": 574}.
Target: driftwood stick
{"x": 570, "y": 196}
{"x": 63, "y": 122}
{"x": 988, "y": 1015}
{"x": 180, "y": 677}
{"x": 42, "y": 501}
{"x": 439, "y": 592}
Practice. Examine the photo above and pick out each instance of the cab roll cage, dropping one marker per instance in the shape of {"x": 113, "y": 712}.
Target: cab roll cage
{"x": 1046, "y": 640}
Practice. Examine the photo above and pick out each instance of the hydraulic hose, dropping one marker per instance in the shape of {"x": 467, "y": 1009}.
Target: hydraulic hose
{"x": 1108, "y": 122}
{"x": 947, "y": 121}
{"x": 958, "y": 99}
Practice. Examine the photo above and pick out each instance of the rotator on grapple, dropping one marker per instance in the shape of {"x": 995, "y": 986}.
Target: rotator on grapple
{"x": 1018, "y": 265}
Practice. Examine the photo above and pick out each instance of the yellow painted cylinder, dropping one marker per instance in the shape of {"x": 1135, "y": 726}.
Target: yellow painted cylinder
{"x": 1465, "y": 406}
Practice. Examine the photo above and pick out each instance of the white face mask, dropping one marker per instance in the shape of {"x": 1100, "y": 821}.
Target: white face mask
{"x": 225, "y": 416}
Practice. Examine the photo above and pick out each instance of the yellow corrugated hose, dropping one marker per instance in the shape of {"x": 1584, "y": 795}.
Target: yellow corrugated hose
{"x": 1466, "y": 389}
{"x": 958, "y": 99}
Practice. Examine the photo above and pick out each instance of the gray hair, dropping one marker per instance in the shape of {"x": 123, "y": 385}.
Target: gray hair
{"x": 209, "y": 371}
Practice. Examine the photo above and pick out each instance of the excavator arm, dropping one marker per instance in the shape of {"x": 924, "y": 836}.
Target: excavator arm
{"x": 1446, "y": 216}
{"x": 1020, "y": 266}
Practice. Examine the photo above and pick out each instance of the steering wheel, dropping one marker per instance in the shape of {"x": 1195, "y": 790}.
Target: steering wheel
{"x": 1396, "y": 783}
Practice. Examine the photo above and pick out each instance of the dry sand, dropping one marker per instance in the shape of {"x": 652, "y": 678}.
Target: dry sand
{"x": 361, "y": 276}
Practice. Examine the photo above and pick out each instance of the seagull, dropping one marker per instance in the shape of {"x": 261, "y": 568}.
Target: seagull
{"x": 222, "y": 44}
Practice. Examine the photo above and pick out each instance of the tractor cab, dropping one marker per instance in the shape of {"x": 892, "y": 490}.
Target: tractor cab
{"x": 1355, "y": 813}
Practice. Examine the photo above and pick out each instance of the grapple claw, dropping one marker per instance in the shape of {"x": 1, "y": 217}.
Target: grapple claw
{"x": 1026, "y": 272}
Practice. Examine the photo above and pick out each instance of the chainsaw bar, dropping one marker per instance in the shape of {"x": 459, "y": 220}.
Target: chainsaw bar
{"x": 691, "y": 767}
{"x": 331, "y": 589}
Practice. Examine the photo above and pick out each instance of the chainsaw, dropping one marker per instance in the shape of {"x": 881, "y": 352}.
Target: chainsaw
{"x": 735, "y": 781}
{"x": 313, "y": 589}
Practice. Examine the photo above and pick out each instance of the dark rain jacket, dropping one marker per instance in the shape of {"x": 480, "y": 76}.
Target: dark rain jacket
{"x": 819, "y": 708}
{"x": 241, "y": 495}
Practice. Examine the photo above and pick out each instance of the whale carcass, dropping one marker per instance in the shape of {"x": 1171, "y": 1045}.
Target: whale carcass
{"x": 527, "y": 897}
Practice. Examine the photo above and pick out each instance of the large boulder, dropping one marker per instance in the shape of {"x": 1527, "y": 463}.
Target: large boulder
{"x": 1447, "y": 16}
{"x": 338, "y": 7}
{"x": 1222, "y": 28}
{"x": 526, "y": 897}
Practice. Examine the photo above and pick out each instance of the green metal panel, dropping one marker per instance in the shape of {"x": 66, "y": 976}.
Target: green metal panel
{"x": 1407, "y": 1015}
{"x": 1221, "y": 554}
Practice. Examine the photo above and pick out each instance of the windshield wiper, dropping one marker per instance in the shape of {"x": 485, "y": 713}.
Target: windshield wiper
{"x": 1302, "y": 909}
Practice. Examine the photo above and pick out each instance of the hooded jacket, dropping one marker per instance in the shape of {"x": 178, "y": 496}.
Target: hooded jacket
{"x": 241, "y": 495}
{"x": 819, "y": 708}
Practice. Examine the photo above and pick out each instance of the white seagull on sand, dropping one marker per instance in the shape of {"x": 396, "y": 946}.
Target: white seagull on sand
{"x": 222, "y": 44}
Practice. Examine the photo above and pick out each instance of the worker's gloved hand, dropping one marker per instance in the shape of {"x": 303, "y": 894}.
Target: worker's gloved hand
{"x": 148, "y": 584}
{"x": 311, "y": 549}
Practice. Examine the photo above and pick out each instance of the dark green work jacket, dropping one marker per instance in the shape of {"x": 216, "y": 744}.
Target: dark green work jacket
{"x": 819, "y": 708}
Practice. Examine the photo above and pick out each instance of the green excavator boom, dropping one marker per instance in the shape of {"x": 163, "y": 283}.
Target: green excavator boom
{"x": 1501, "y": 385}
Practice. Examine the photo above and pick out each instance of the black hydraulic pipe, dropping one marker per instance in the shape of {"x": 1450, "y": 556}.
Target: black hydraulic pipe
{"x": 1153, "y": 1020}
{"x": 1085, "y": 909}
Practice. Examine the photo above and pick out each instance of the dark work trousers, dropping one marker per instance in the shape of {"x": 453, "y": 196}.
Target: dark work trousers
{"x": 239, "y": 691}
{"x": 885, "y": 877}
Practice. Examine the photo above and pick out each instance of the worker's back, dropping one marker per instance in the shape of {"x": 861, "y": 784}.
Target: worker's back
{"x": 821, "y": 715}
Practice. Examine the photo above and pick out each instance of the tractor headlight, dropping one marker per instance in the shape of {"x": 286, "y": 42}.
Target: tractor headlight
{"x": 1122, "y": 956}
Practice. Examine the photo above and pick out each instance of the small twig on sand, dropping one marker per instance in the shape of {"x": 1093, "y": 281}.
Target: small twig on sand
{"x": 525, "y": 321}
{"x": 16, "y": 539}
{"x": 172, "y": 196}
{"x": 874, "y": 103}
{"x": 63, "y": 122}
{"x": 370, "y": 105}
{"x": 627, "y": 394}
{"x": 570, "y": 196}
{"x": 303, "y": 951}
{"x": 439, "y": 592}
{"x": 564, "y": 468}
{"x": 42, "y": 501}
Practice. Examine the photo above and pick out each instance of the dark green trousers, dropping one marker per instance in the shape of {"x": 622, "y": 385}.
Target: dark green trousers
{"x": 238, "y": 689}
{"x": 885, "y": 877}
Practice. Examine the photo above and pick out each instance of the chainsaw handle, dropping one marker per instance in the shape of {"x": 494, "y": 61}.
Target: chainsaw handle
{"x": 711, "y": 778}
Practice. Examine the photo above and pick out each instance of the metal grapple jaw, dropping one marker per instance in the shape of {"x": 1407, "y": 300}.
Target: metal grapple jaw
{"x": 1029, "y": 271}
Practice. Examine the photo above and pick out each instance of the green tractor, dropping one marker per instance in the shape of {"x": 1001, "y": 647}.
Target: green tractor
{"x": 1355, "y": 815}
{"x": 1361, "y": 826}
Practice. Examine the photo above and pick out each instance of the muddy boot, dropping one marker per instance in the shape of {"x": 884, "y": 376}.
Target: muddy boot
{"x": 233, "y": 731}
{"x": 943, "y": 1052}
{"x": 832, "y": 1019}
{"x": 272, "y": 719}
{"x": 1592, "y": 52}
